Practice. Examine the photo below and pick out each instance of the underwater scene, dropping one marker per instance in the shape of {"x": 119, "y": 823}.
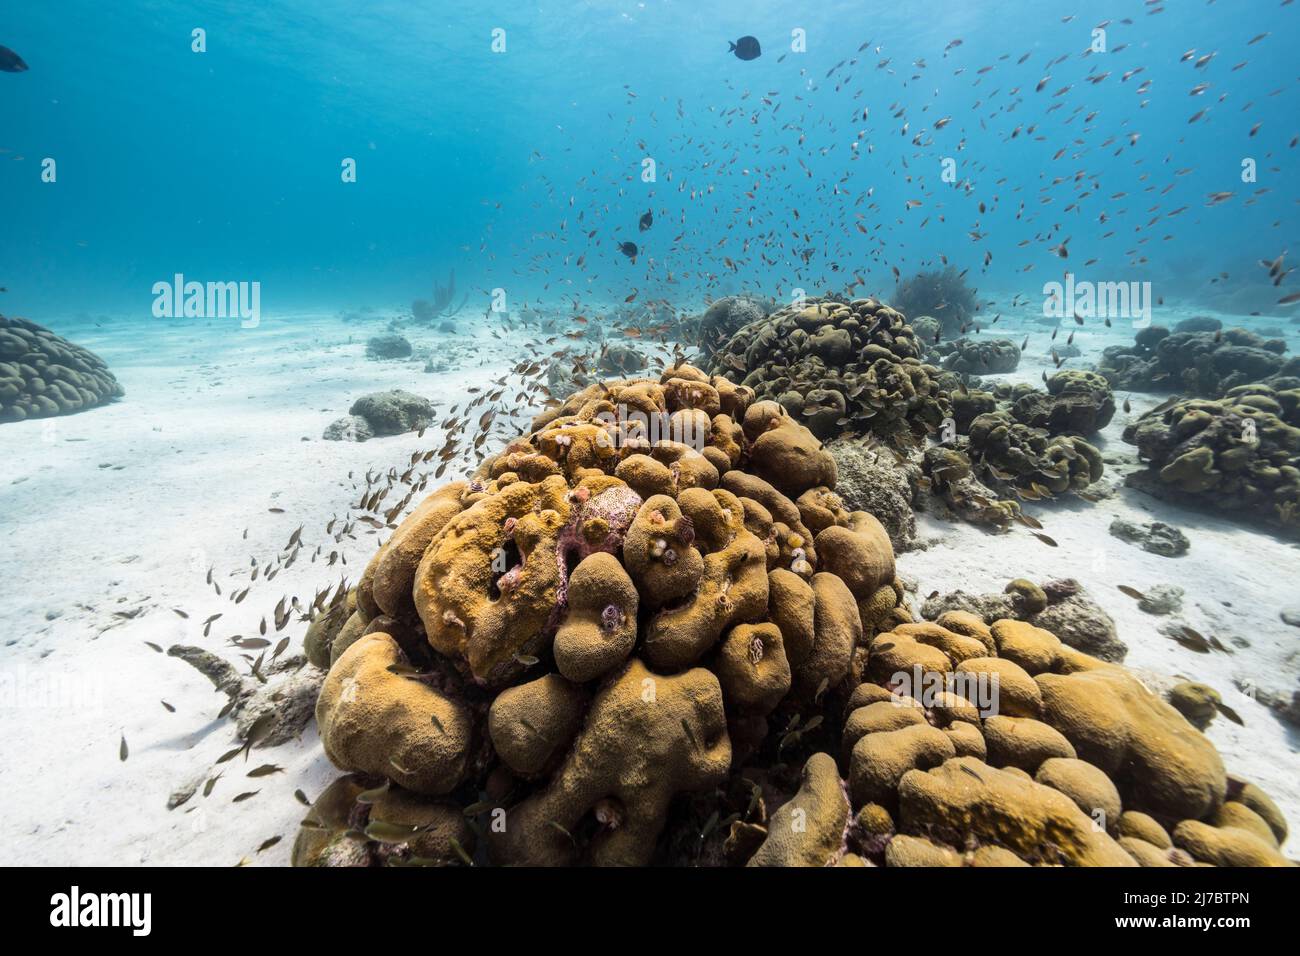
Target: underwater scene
{"x": 656, "y": 433}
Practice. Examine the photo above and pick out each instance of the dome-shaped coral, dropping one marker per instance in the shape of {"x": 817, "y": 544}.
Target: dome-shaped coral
{"x": 605, "y": 616}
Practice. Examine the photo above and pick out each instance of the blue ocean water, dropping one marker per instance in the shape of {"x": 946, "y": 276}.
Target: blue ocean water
{"x": 819, "y": 166}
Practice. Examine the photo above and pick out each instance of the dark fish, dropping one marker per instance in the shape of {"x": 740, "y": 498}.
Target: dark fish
{"x": 647, "y": 220}
{"x": 11, "y": 62}
{"x": 1231, "y": 714}
{"x": 628, "y": 249}
{"x": 746, "y": 48}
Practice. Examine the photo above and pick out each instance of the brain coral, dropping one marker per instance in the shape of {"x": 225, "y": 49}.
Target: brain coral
{"x": 42, "y": 374}
{"x": 604, "y": 619}
{"x": 839, "y": 366}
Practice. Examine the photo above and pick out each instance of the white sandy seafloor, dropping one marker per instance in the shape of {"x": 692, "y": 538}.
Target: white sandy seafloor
{"x": 110, "y": 519}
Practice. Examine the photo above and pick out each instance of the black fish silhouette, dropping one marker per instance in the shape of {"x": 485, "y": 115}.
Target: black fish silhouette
{"x": 647, "y": 220}
{"x": 628, "y": 249}
{"x": 11, "y": 62}
{"x": 746, "y": 48}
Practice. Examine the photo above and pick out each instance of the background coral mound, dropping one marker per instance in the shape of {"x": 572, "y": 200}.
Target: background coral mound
{"x": 980, "y": 356}
{"x": 381, "y": 413}
{"x": 942, "y": 294}
{"x": 42, "y": 374}
{"x": 603, "y": 620}
{"x": 1076, "y": 403}
{"x": 1240, "y": 454}
{"x": 839, "y": 366}
{"x": 726, "y": 316}
{"x": 1202, "y": 363}
{"x": 389, "y": 345}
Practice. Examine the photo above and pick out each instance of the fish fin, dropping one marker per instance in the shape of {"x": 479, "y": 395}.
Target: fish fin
{"x": 733, "y": 48}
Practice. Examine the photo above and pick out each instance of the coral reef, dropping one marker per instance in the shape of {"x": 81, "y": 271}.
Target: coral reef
{"x": 1076, "y": 402}
{"x": 1028, "y": 461}
{"x": 381, "y": 413}
{"x": 43, "y": 374}
{"x": 1239, "y": 455}
{"x": 1069, "y": 761}
{"x": 942, "y": 294}
{"x": 839, "y": 367}
{"x": 653, "y": 617}
{"x": 1019, "y": 442}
